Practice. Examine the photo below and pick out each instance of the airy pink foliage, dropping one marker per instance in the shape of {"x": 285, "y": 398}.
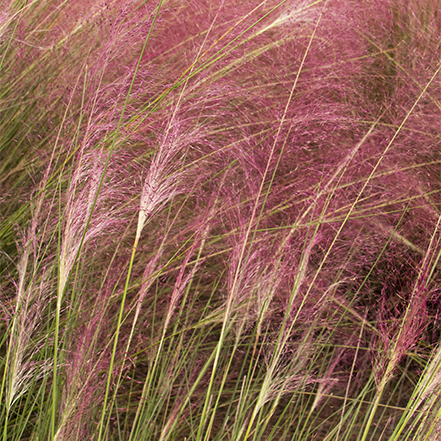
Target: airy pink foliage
{"x": 227, "y": 208}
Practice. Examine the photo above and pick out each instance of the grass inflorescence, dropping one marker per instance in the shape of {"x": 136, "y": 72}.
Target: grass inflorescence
{"x": 220, "y": 220}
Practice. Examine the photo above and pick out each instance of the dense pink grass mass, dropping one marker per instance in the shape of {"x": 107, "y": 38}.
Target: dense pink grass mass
{"x": 220, "y": 220}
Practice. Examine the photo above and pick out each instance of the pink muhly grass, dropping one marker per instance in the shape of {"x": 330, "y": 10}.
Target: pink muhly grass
{"x": 279, "y": 161}
{"x": 164, "y": 179}
{"x": 402, "y": 333}
{"x": 83, "y": 192}
{"x": 82, "y": 372}
{"x": 25, "y": 339}
{"x": 87, "y": 218}
{"x": 160, "y": 182}
{"x": 398, "y": 336}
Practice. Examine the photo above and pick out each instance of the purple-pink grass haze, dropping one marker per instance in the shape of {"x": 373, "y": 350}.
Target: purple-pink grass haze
{"x": 220, "y": 219}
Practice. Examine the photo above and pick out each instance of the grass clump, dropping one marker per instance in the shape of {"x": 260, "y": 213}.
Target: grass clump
{"x": 220, "y": 220}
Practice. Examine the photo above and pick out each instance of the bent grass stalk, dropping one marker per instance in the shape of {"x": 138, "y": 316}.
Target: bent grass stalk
{"x": 132, "y": 257}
